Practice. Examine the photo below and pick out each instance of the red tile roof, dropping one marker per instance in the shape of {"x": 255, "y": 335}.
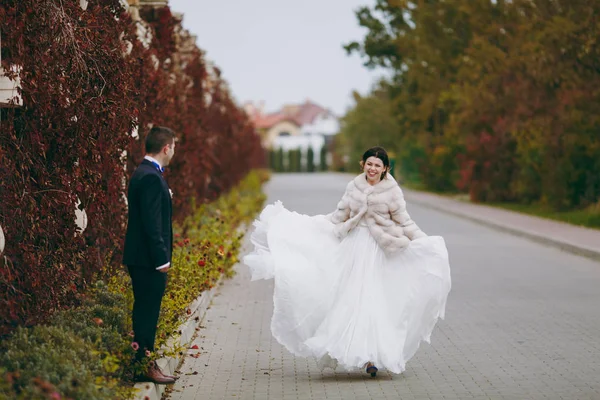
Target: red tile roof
{"x": 267, "y": 121}
{"x": 300, "y": 114}
{"x": 308, "y": 112}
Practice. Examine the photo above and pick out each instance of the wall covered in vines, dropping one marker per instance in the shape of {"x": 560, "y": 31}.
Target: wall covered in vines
{"x": 92, "y": 86}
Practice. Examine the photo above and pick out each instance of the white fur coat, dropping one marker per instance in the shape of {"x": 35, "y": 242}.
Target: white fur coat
{"x": 384, "y": 211}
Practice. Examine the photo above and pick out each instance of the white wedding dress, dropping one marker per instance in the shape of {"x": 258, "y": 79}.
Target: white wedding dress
{"x": 345, "y": 301}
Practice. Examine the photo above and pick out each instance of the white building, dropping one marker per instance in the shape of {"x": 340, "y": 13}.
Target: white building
{"x": 295, "y": 126}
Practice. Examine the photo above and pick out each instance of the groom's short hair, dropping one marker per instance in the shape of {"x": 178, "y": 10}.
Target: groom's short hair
{"x": 158, "y": 137}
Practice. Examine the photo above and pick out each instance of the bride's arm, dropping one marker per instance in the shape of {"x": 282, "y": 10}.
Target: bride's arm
{"x": 400, "y": 216}
{"x": 342, "y": 212}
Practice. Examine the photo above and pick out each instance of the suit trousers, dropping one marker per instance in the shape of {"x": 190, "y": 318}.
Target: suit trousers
{"x": 148, "y": 290}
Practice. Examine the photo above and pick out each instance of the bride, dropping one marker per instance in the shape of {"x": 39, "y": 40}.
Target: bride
{"x": 358, "y": 288}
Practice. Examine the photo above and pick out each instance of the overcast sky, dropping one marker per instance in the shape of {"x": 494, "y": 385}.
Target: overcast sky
{"x": 282, "y": 51}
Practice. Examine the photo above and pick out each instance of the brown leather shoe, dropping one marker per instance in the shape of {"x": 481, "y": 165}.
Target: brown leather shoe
{"x": 154, "y": 375}
{"x": 170, "y": 376}
{"x": 166, "y": 375}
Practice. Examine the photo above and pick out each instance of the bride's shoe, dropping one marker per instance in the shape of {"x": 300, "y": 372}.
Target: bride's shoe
{"x": 371, "y": 369}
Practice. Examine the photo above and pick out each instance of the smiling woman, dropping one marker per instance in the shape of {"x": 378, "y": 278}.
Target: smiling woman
{"x": 375, "y": 164}
{"x": 360, "y": 287}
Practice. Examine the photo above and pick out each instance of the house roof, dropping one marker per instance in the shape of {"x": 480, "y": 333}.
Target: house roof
{"x": 269, "y": 120}
{"x": 308, "y": 112}
{"x": 300, "y": 114}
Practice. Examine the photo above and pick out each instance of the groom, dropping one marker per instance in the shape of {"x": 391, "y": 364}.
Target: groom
{"x": 148, "y": 243}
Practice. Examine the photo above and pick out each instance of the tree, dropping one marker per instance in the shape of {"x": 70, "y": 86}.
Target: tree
{"x": 496, "y": 98}
{"x": 323, "y": 158}
{"x": 298, "y": 156}
{"x": 310, "y": 159}
{"x": 370, "y": 123}
{"x": 272, "y": 159}
{"x": 280, "y": 165}
{"x": 294, "y": 160}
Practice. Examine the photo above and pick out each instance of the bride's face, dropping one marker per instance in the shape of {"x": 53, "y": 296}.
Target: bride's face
{"x": 373, "y": 168}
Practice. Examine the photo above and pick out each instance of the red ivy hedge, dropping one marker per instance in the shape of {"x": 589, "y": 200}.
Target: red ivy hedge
{"x": 83, "y": 94}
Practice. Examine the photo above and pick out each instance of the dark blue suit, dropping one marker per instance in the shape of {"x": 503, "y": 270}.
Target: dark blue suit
{"x": 148, "y": 245}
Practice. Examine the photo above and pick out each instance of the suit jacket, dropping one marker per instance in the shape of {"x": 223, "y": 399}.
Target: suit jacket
{"x": 149, "y": 238}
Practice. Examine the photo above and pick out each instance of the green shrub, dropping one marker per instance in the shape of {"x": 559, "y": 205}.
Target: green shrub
{"x": 103, "y": 319}
{"x": 50, "y": 359}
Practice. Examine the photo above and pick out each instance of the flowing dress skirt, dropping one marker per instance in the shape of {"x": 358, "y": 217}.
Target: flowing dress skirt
{"x": 345, "y": 301}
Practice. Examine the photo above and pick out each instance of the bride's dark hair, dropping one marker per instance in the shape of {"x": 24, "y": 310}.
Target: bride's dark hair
{"x": 378, "y": 152}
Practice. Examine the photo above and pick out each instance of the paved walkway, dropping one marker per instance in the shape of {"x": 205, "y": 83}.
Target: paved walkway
{"x": 523, "y": 322}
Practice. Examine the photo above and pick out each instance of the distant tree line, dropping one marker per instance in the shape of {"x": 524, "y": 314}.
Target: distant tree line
{"x": 298, "y": 160}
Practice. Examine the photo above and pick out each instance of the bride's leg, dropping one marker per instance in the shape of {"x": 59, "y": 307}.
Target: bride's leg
{"x": 371, "y": 369}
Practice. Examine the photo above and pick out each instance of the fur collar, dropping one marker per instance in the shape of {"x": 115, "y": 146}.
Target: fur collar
{"x": 384, "y": 185}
